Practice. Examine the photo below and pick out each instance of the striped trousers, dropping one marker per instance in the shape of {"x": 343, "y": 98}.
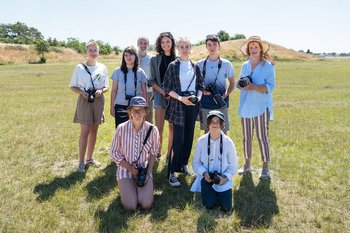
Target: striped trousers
{"x": 261, "y": 124}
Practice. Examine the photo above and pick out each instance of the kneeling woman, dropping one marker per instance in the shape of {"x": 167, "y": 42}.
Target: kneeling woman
{"x": 215, "y": 162}
{"x": 135, "y": 146}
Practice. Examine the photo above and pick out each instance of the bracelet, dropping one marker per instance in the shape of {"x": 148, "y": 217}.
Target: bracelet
{"x": 179, "y": 98}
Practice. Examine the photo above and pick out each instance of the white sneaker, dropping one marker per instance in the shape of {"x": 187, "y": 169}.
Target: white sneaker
{"x": 265, "y": 173}
{"x": 173, "y": 181}
{"x": 243, "y": 170}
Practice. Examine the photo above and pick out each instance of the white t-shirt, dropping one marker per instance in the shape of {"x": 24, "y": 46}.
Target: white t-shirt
{"x": 186, "y": 76}
{"x": 144, "y": 64}
{"x": 82, "y": 80}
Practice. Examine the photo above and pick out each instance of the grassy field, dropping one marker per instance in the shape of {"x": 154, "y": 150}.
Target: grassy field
{"x": 310, "y": 136}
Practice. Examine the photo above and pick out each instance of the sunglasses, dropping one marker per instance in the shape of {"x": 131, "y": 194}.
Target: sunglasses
{"x": 211, "y": 35}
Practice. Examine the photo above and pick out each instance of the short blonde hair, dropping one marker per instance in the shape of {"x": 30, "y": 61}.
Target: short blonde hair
{"x": 183, "y": 39}
{"x": 92, "y": 43}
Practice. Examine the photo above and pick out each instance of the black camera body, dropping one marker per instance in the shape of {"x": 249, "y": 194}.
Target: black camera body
{"x": 91, "y": 95}
{"x": 193, "y": 97}
{"x": 244, "y": 81}
{"x": 129, "y": 97}
{"x": 141, "y": 176}
{"x": 215, "y": 177}
{"x": 216, "y": 96}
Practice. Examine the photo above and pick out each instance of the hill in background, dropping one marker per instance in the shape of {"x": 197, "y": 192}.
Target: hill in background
{"x": 16, "y": 53}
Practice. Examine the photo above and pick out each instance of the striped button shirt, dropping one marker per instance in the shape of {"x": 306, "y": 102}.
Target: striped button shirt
{"x": 127, "y": 145}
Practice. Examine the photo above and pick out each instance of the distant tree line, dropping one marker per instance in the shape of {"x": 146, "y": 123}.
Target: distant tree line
{"x": 225, "y": 36}
{"x": 20, "y": 33}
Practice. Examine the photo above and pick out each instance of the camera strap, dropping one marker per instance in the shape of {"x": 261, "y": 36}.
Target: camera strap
{"x": 88, "y": 71}
{"x": 194, "y": 75}
{"x": 144, "y": 142}
{"x": 135, "y": 81}
{"x": 221, "y": 150}
{"x": 205, "y": 68}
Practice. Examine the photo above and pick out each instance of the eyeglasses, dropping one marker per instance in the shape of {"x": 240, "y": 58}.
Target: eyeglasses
{"x": 137, "y": 111}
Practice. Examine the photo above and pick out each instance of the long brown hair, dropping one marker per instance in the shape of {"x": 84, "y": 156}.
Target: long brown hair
{"x": 158, "y": 46}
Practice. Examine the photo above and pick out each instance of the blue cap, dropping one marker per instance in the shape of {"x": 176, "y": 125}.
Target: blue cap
{"x": 137, "y": 101}
{"x": 216, "y": 113}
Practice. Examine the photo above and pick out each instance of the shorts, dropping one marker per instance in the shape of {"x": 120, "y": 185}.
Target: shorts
{"x": 159, "y": 100}
{"x": 203, "y": 118}
{"x": 89, "y": 113}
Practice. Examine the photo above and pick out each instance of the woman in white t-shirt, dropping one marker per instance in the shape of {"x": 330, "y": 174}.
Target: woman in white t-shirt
{"x": 90, "y": 81}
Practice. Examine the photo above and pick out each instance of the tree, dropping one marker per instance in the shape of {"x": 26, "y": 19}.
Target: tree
{"x": 42, "y": 47}
{"x": 224, "y": 36}
{"x": 238, "y": 36}
{"x": 75, "y": 44}
{"x": 19, "y": 33}
{"x": 117, "y": 50}
{"x": 308, "y": 51}
{"x": 105, "y": 48}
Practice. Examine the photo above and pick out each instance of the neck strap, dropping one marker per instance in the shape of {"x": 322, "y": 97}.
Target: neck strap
{"x": 205, "y": 68}
{"x": 221, "y": 150}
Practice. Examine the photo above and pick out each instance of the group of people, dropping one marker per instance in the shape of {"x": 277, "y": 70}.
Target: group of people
{"x": 180, "y": 91}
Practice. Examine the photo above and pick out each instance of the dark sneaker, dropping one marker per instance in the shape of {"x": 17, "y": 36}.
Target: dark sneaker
{"x": 93, "y": 162}
{"x": 186, "y": 171}
{"x": 173, "y": 181}
{"x": 244, "y": 170}
{"x": 265, "y": 173}
{"x": 81, "y": 167}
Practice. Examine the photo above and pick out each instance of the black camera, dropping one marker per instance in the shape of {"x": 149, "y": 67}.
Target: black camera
{"x": 193, "y": 97}
{"x": 216, "y": 96}
{"x": 215, "y": 177}
{"x": 129, "y": 97}
{"x": 244, "y": 81}
{"x": 141, "y": 176}
{"x": 91, "y": 95}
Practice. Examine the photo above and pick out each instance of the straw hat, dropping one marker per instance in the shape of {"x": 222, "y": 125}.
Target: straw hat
{"x": 265, "y": 45}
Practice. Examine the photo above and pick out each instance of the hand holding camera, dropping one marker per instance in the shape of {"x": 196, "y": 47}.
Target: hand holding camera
{"x": 244, "y": 81}
{"x": 216, "y": 96}
{"x": 91, "y": 95}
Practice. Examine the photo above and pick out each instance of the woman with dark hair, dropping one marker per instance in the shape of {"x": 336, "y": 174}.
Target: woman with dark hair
{"x": 257, "y": 82}
{"x": 165, "y": 47}
{"x": 90, "y": 81}
{"x": 128, "y": 81}
{"x": 183, "y": 82}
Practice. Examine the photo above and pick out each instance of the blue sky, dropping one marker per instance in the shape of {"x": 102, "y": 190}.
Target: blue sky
{"x": 321, "y": 26}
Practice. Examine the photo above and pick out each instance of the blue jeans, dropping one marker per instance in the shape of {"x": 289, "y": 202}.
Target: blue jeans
{"x": 212, "y": 198}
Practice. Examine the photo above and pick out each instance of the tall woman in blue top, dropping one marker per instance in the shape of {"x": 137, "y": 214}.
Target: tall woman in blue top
{"x": 183, "y": 82}
{"x": 255, "y": 106}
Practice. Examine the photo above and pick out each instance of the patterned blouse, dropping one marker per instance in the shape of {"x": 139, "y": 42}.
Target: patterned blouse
{"x": 127, "y": 145}
{"x": 175, "y": 110}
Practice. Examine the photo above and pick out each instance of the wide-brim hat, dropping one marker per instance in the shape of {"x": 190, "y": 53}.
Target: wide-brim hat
{"x": 138, "y": 101}
{"x": 265, "y": 45}
{"x": 216, "y": 113}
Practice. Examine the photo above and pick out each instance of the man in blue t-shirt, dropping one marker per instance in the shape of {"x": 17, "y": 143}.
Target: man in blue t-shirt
{"x": 215, "y": 71}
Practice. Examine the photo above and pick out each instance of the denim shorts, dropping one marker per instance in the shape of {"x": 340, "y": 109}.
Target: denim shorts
{"x": 159, "y": 100}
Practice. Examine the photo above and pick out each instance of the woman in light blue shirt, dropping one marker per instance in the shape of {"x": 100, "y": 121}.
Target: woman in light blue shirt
{"x": 215, "y": 162}
{"x": 257, "y": 81}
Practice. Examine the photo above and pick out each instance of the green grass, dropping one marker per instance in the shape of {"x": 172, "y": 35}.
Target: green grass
{"x": 310, "y": 136}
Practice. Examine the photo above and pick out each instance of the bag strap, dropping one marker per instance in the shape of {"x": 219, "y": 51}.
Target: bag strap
{"x": 194, "y": 75}
{"x": 88, "y": 71}
{"x": 144, "y": 142}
